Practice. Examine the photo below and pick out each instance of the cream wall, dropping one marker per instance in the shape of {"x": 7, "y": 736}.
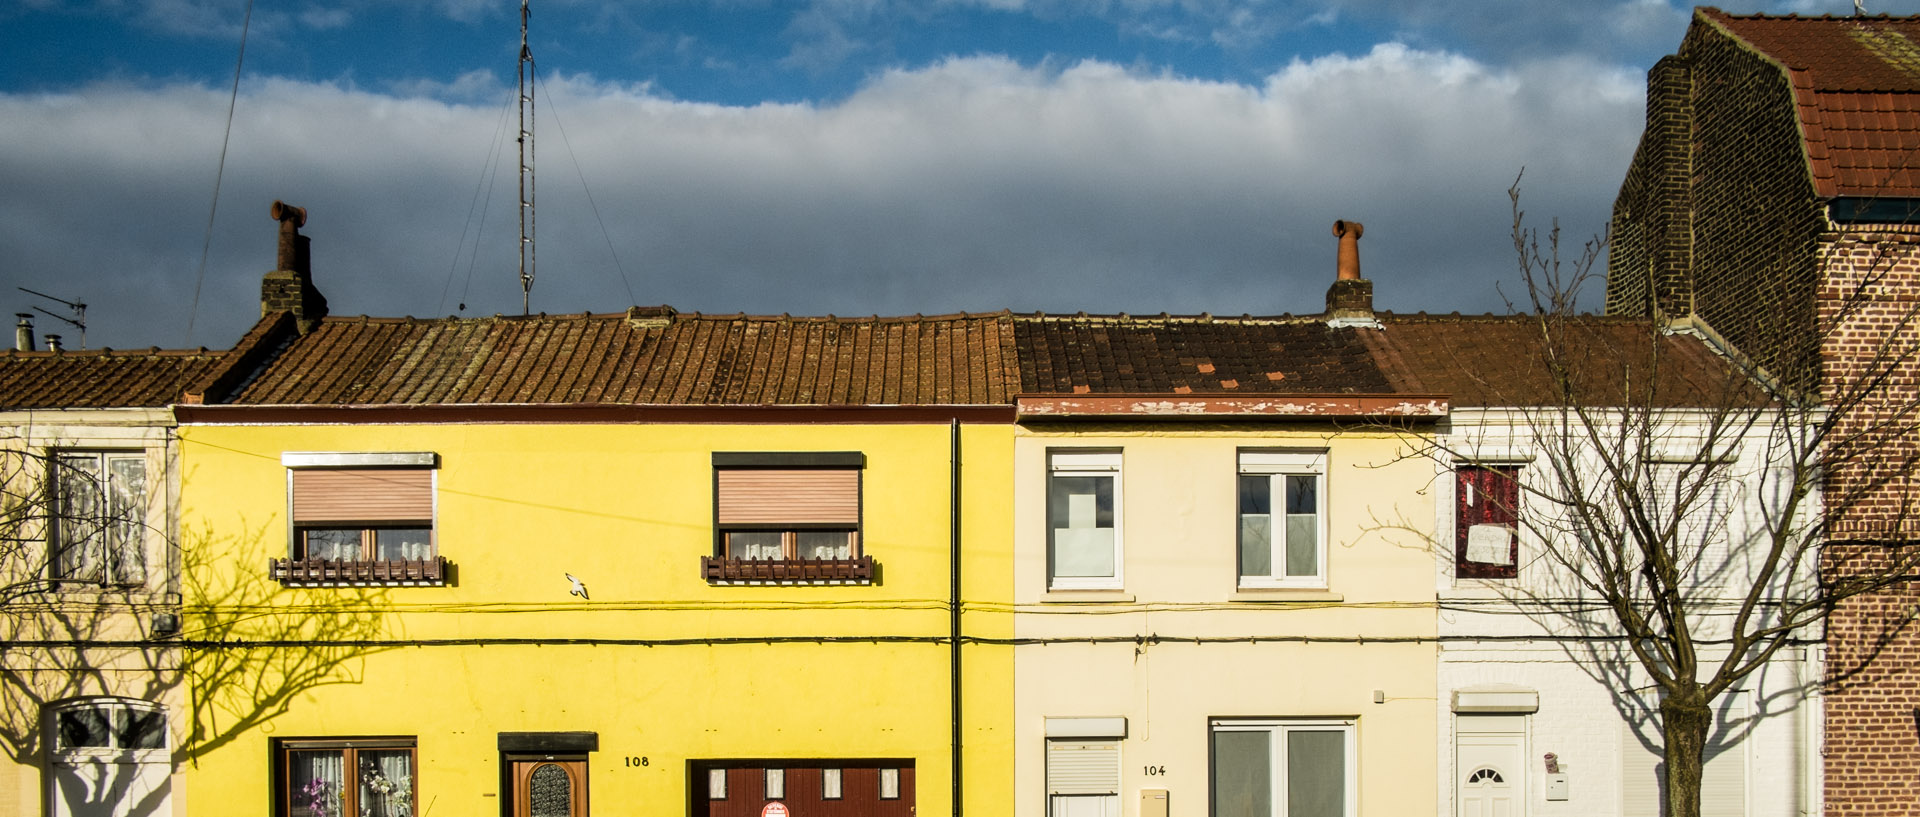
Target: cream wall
{"x": 629, "y": 510}
{"x": 36, "y": 678}
{"x": 1180, "y": 530}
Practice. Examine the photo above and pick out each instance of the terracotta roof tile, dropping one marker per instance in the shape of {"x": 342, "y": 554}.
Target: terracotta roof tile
{"x": 102, "y": 378}
{"x": 1856, "y": 85}
{"x": 1126, "y": 355}
{"x": 608, "y": 359}
{"x": 1501, "y": 360}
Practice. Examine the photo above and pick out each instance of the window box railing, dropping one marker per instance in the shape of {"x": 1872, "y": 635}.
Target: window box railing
{"x": 787, "y": 571}
{"x": 325, "y": 572}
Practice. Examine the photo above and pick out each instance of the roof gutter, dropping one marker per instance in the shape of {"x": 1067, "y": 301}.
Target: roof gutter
{"x": 1042, "y": 407}
{"x": 582, "y": 413}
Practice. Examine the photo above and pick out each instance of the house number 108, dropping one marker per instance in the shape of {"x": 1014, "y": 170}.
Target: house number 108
{"x": 1155, "y": 771}
{"x": 636, "y": 761}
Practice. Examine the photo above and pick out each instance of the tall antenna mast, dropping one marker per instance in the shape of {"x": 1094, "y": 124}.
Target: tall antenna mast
{"x": 526, "y": 164}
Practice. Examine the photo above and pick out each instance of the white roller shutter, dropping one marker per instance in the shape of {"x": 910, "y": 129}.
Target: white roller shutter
{"x": 1083, "y": 767}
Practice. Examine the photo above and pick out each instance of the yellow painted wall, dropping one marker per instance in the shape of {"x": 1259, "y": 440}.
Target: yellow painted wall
{"x": 1179, "y": 531}
{"x": 628, "y": 509}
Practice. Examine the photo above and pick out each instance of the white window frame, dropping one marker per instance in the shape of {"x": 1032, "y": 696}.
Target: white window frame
{"x": 1088, "y": 463}
{"x": 1277, "y": 464}
{"x": 102, "y": 543}
{"x": 1276, "y": 730}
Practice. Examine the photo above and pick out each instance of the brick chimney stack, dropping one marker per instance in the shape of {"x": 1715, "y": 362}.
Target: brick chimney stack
{"x": 1350, "y": 299}
{"x": 289, "y": 287}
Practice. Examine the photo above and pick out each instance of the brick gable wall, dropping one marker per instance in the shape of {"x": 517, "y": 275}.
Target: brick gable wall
{"x": 1717, "y": 214}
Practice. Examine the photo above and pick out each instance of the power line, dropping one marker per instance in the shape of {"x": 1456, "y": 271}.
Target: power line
{"x": 206, "y": 246}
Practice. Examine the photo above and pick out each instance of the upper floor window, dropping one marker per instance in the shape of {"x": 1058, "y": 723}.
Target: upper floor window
{"x": 787, "y": 517}
{"x": 1283, "y": 519}
{"x": 361, "y": 517}
{"x": 1083, "y": 520}
{"x": 1486, "y": 522}
{"x": 98, "y": 530}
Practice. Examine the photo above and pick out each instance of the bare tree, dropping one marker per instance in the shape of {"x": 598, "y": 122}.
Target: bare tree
{"x": 1690, "y": 512}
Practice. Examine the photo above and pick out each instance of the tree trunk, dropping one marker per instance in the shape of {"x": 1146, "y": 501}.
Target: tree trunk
{"x": 1686, "y": 718}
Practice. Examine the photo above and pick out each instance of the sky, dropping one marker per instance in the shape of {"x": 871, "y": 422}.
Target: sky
{"x": 846, "y": 157}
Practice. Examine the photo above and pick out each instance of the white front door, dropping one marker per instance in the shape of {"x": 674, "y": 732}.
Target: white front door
{"x": 1489, "y": 769}
{"x": 108, "y": 758}
{"x": 98, "y": 787}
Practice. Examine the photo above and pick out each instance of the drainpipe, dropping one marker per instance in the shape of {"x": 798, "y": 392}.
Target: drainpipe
{"x": 953, "y": 605}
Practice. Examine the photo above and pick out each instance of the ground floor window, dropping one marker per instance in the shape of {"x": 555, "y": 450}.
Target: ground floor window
{"x": 1283, "y": 768}
{"x": 824, "y": 787}
{"x": 365, "y": 777}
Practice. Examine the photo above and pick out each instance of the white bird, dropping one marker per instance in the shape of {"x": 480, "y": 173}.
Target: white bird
{"x": 578, "y": 588}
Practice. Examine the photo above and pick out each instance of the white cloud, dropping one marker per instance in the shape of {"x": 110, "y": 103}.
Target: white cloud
{"x": 974, "y": 183}
{"x": 326, "y": 19}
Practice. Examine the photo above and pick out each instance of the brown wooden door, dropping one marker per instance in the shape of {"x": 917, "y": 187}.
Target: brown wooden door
{"x": 549, "y": 787}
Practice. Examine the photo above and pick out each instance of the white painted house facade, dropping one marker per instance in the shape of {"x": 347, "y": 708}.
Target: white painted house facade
{"x": 1544, "y": 711}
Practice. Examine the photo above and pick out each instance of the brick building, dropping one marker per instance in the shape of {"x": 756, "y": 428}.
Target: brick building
{"x": 1772, "y": 201}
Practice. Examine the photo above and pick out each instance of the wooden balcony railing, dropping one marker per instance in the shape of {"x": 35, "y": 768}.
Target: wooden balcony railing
{"x": 369, "y": 571}
{"x": 788, "y": 571}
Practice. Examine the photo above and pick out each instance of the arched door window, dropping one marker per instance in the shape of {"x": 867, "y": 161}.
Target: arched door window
{"x": 107, "y": 756}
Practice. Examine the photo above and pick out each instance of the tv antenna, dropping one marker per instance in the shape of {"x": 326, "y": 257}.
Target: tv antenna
{"x": 527, "y": 80}
{"x": 79, "y": 309}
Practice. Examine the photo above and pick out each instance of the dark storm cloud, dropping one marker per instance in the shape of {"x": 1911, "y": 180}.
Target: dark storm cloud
{"x": 971, "y": 184}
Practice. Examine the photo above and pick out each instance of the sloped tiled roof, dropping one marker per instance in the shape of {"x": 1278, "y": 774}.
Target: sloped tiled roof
{"x": 1198, "y": 355}
{"x": 1502, "y": 360}
{"x": 958, "y": 360}
{"x": 101, "y": 378}
{"x": 1856, "y": 85}
{"x": 629, "y": 359}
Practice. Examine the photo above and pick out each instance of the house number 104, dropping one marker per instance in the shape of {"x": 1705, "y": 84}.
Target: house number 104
{"x": 1155, "y": 771}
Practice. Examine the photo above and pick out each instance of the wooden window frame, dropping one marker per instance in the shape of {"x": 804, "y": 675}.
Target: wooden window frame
{"x": 734, "y": 516}
{"x": 298, "y": 568}
{"x": 350, "y": 748}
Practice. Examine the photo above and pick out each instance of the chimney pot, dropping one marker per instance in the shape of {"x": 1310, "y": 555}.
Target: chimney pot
{"x": 1348, "y": 264}
{"x": 53, "y": 343}
{"x": 23, "y": 332}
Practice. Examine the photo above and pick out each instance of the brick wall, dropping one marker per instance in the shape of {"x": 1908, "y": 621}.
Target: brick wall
{"x": 1866, "y": 301}
{"x": 1718, "y": 213}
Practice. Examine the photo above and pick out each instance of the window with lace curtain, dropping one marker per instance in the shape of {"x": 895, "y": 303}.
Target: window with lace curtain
{"x": 370, "y": 777}
{"x": 361, "y": 517}
{"x": 98, "y": 524}
{"x": 787, "y": 517}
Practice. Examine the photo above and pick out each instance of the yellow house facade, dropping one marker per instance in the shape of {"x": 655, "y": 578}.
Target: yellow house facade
{"x": 640, "y": 563}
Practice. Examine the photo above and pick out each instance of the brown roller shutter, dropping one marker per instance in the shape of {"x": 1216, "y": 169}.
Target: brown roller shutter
{"x": 363, "y": 495}
{"x": 769, "y": 496}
